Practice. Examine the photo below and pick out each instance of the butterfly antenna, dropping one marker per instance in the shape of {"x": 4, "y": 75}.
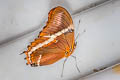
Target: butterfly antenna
{"x": 76, "y": 63}
{"x": 63, "y": 67}
{"x": 77, "y": 37}
{"x": 78, "y": 34}
{"x": 78, "y": 26}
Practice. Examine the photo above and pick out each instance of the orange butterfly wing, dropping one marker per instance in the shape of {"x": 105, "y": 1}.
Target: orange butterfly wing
{"x": 58, "y": 19}
{"x": 55, "y": 41}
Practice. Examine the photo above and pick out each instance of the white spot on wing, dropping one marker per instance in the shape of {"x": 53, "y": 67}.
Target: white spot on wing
{"x": 38, "y": 62}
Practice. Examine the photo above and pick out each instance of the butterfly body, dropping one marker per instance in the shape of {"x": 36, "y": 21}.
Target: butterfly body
{"x": 55, "y": 41}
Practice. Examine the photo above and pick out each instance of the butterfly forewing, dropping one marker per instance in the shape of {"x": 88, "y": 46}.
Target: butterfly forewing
{"x": 58, "y": 20}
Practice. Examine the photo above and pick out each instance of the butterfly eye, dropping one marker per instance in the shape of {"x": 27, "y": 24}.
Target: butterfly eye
{"x": 70, "y": 50}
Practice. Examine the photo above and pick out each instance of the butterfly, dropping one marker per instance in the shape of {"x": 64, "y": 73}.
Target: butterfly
{"x": 55, "y": 41}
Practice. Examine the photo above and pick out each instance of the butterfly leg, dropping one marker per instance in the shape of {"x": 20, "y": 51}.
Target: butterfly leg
{"x": 78, "y": 36}
{"x": 76, "y": 62}
{"x": 63, "y": 67}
